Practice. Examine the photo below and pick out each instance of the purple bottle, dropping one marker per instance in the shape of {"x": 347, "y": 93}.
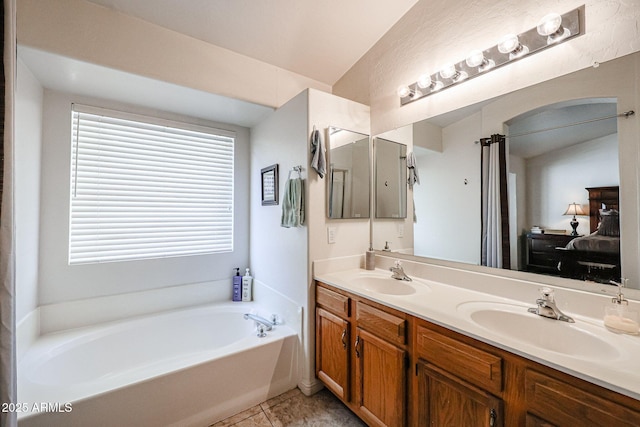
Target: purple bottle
{"x": 237, "y": 286}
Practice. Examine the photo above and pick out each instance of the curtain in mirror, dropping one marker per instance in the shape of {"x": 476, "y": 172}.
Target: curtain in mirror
{"x": 495, "y": 208}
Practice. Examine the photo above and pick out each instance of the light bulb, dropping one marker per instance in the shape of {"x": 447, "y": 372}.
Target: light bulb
{"x": 448, "y": 71}
{"x": 404, "y": 91}
{"x": 424, "y": 81}
{"x": 508, "y": 43}
{"x": 475, "y": 58}
{"x": 551, "y": 26}
{"x": 511, "y": 45}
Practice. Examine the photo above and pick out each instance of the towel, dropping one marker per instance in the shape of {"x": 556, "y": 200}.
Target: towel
{"x": 318, "y": 159}
{"x": 293, "y": 203}
{"x": 413, "y": 172}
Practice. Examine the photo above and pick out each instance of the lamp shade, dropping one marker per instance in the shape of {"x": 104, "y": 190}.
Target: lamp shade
{"x": 574, "y": 209}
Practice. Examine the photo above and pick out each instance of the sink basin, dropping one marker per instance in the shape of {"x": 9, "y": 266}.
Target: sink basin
{"x": 384, "y": 285}
{"x": 578, "y": 339}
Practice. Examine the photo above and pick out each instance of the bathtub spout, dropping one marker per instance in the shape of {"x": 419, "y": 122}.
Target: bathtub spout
{"x": 267, "y": 324}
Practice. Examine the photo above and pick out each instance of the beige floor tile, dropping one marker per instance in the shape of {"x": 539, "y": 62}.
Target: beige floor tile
{"x": 259, "y": 420}
{"x": 281, "y": 398}
{"x": 320, "y": 410}
{"x": 241, "y": 416}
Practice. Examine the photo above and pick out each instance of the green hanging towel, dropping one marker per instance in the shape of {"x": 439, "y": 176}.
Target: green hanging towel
{"x": 293, "y": 203}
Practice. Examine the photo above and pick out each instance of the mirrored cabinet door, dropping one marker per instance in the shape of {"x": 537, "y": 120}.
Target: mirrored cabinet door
{"x": 348, "y": 175}
{"x": 391, "y": 179}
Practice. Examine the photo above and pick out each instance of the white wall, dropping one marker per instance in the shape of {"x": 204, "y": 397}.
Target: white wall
{"x": 28, "y": 134}
{"x": 60, "y": 282}
{"x": 447, "y": 208}
{"x": 352, "y": 235}
{"x": 92, "y": 33}
{"x": 279, "y": 256}
{"x": 435, "y": 32}
{"x": 560, "y": 177}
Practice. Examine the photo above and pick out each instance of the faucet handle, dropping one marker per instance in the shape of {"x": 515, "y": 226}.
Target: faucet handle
{"x": 547, "y": 294}
{"x": 397, "y": 264}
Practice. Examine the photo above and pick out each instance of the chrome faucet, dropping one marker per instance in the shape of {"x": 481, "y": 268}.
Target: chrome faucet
{"x": 546, "y": 307}
{"x": 397, "y": 272}
{"x": 267, "y": 324}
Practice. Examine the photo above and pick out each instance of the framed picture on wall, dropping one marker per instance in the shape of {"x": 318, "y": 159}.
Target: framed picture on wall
{"x": 269, "y": 179}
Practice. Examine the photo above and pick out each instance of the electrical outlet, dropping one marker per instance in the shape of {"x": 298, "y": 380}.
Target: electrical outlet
{"x": 400, "y": 230}
{"x": 331, "y": 234}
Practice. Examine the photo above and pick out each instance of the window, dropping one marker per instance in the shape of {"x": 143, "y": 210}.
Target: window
{"x": 144, "y": 188}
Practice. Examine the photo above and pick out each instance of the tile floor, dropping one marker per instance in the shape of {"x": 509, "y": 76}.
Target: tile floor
{"x": 295, "y": 409}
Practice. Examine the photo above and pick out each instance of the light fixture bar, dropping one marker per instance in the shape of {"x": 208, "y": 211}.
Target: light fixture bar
{"x": 524, "y": 45}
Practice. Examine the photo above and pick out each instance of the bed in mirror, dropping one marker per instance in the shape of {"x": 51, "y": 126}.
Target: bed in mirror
{"x": 563, "y": 143}
{"x": 348, "y": 183}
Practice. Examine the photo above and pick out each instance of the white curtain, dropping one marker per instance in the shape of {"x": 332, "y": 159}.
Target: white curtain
{"x": 8, "y": 387}
{"x": 495, "y": 225}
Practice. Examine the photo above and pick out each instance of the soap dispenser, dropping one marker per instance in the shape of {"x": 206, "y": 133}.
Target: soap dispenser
{"x": 247, "y": 282}
{"x": 237, "y": 286}
{"x": 618, "y": 317}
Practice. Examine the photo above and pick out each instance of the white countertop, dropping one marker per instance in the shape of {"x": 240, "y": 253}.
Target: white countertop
{"x": 607, "y": 359}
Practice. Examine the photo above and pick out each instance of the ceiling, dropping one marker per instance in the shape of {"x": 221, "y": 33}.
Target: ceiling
{"x": 319, "y": 39}
{"x": 562, "y": 125}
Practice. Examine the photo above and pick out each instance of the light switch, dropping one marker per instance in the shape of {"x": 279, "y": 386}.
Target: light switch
{"x": 400, "y": 230}
{"x": 331, "y": 234}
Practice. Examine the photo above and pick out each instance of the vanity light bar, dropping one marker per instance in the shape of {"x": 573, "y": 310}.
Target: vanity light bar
{"x": 552, "y": 30}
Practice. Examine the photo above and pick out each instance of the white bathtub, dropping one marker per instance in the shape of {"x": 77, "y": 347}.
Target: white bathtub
{"x": 185, "y": 367}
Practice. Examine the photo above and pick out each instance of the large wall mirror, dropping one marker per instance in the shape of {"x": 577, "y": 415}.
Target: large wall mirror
{"x": 348, "y": 183}
{"x": 571, "y": 154}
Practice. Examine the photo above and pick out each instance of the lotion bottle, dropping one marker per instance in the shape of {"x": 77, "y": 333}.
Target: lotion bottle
{"x": 237, "y": 286}
{"x": 247, "y": 282}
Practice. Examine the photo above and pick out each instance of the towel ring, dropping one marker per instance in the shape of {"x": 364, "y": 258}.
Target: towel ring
{"x": 297, "y": 169}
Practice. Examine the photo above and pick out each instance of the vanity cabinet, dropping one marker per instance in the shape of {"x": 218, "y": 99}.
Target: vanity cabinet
{"x": 399, "y": 370}
{"x": 381, "y": 362}
{"x": 456, "y": 382}
{"x": 446, "y": 400}
{"x": 333, "y": 333}
{"x": 552, "y": 401}
{"x": 362, "y": 355}
{"x": 332, "y": 352}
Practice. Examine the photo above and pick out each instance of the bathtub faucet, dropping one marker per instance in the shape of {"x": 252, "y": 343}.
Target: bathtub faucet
{"x": 261, "y": 320}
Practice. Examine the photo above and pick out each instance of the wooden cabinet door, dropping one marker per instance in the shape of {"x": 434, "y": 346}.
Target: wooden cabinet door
{"x": 380, "y": 381}
{"x": 332, "y": 352}
{"x": 445, "y": 400}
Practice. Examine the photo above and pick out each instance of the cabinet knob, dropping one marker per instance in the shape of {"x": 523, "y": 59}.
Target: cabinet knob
{"x": 493, "y": 417}
{"x": 343, "y": 338}
{"x": 356, "y": 345}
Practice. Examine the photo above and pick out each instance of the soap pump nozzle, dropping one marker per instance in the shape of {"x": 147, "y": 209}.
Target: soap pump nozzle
{"x": 237, "y": 271}
{"x": 619, "y": 298}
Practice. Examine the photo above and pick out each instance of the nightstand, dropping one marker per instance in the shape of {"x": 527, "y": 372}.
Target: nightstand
{"x": 542, "y": 256}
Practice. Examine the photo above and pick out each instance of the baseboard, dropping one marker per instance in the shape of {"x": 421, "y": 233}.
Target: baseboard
{"x": 310, "y": 388}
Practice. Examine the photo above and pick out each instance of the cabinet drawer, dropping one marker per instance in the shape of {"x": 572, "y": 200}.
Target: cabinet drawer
{"x": 469, "y": 363}
{"x": 380, "y": 323}
{"x": 545, "y": 245}
{"x": 332, "y": 301}
{"x": 566, "y": 405}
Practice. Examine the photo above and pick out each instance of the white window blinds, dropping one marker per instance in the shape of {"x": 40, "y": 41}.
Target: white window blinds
{"x": 143, "y": 188}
